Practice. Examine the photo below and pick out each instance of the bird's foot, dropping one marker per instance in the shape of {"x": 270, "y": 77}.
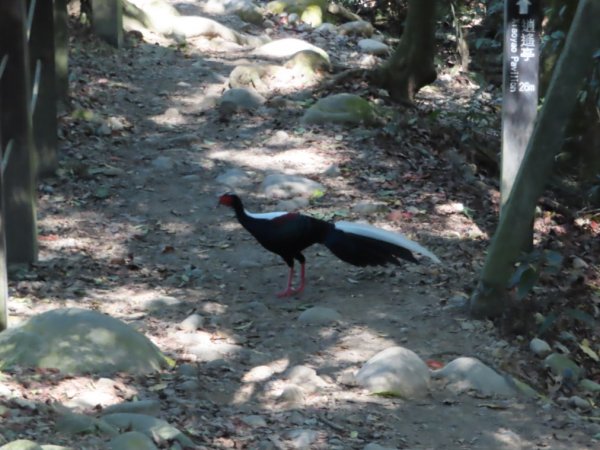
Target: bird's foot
{"x": 289, "y": 292}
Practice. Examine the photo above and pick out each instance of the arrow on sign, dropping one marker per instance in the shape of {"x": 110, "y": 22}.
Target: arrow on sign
{"x": 523, "y": 6}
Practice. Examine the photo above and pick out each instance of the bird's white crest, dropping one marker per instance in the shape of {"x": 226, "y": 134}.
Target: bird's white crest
{"x": 266, "y": 216}
{"x": 363, "y": 229}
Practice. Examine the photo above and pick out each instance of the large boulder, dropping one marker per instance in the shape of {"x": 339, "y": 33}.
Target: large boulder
{"x": 395, "y": 371}
{"x": 79, "y": 341}
{"x": 342, "y": 108}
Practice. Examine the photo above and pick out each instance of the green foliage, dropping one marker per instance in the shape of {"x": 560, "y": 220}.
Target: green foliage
{"x": 529, "y": 271}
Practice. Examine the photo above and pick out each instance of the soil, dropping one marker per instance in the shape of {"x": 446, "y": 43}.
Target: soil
{"x": 141, "y": 239}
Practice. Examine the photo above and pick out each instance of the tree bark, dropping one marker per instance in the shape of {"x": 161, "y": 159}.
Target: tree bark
{"x": 490, "y": 298}
{"x": 411, "y": 65}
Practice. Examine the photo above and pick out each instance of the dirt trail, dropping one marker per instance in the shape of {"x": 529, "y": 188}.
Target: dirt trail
{"x": 130, "y": 228}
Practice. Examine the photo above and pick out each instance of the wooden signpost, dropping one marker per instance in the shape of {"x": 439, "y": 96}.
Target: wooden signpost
{"x": 520, "y": 84}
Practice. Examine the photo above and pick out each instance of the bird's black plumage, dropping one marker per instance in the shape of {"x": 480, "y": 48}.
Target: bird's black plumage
{"x": 288, "y": 234}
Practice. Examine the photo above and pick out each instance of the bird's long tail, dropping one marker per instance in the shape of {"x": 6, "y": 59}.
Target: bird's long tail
{"x": 365, "y": 245}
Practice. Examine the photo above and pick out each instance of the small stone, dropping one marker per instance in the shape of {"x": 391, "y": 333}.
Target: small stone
{"x": 332, "y": 171}
{"x": 540, "y": 347}
{"x": 373, "y": 47}
{"x": 192, "y": 323}
{"x": 258, "y": 374}
{"x": 579, "y": 263}
{"x": 326, "y": 28}
{"x": 234, "y": 178}
{"x": 579, "y": 402}
{"x": 301, "y": 438}
{"x": 242, "y": 98}
{"x": 357, "y": 27}
{"x": 187, "y": 370}
{"x": 103, "y": 130}
{"x": 189, "y": 386}
{"x": 457, "y": 302}
{"x": 319, "y": 315}
{"x": 148, "y": 407}
{"x": 293, "y": 204}
{"x": 374, "y": 446}
{"x": 307, "y": 378}
{"x": 285, "y": 186}
{"x": 292, "y": 395}
{"x": 367, "y": 207}
{"x": 561, "y": 365}
{"x": 254, "y": 421}
{"x": 589, "y": 385}
{"x": 163, "y": 163}
{"x": 132, "y": 440}
{"x": 73, "y": 424}
{"x": 279, "y": 139}
{"x": 347, "y": 378}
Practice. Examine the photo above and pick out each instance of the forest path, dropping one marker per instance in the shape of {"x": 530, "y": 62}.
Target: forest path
{"x": 131, "y": 227}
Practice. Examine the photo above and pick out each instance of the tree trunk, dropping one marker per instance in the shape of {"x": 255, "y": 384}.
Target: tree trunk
{"x": 491, "y": 296}
{"x": 411, "y": 66}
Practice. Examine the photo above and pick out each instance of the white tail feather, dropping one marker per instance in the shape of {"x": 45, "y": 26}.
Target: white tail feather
{"x": 267, "y": 216}
{"x": 370, "y": 231}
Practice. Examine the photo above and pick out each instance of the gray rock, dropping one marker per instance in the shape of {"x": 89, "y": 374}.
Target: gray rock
{"x": 357, "y": 27}
{"x": 21, "y": 444}
{"x": 561, "y": 365}
{"x": 147, "y": 407}
{"x": 301, "y": 438}
{"x": 189, "y": 385}
{"x": 397, "y": 371}
{"x": 539, "y": 347}
{"x": 79, "y": 341}
{"x": 254, "y": 421}
{"x": 250, "y": 13}
{"x": 158, "y": 303}
{"x": 100, "y": 395}
{"x": 373, "y": 47}
{"x": 307, "y": 378}
{"x": 292, "y": 395}
{"x": 293, "y": 204}
{"x": 579, "y": 402}
{"x": 71, "y": 423}
{"x": 367, "y": 207}
{"x": 234, "y": 178}
{"x": 132, "y": 440}
{"x": 242, "y": 98}
{"x": 374, "y": 446}
{"x": 284, "y": 48}
{"x": 344, "y": 108}
{"x": 332, "y": 171}
{"x": 589, "y": 385}
{"x": 466, "y": 373}
{"x": 163, "y": 163}
{"x": 258, "y": 374}
{"x": 161, "y": 431}
{"x": 214, "y": 351}
{"x": 279, "y": 139}
{"x": 282, "y": 186}
{"x": 192, "y": 322}
{"x": 326, "y": 28}
{"x": 319, "y": 315}
{"x": 103, "y": 130}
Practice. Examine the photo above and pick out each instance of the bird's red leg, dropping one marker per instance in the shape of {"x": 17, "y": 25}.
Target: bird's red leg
{"x": 288, "y": 291}
{"x": 301, "y": 287}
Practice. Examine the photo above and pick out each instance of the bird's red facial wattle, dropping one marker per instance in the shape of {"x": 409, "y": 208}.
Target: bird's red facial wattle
{"x": 226, "y": 199}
